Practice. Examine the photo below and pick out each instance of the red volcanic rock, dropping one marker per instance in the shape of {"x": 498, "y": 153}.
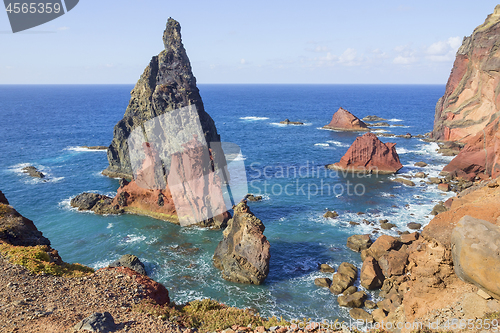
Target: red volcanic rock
{"x": 343, "y": 120}
{"x": 481, "y": 155}
{"x": 469, "y": 109}
{"x": 369, "y": 154}
{"x": 152, "y": 289}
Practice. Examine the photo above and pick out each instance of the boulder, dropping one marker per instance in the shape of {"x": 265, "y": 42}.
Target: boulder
{"x": 379, "y": 124}
{"x": 379, "y": 315}
{"x": 420, "y": 164}
{"x": 371, "y": 275}
{"x": 387, "y": 226}
{"x": 323, "y": 282}
{"x": 420, "y": 175}
{"x": 359, "y": 242}
{"x": 130, "y": 261}
{"x": 243, "y": 254}
{"x": 252, "y": 197}
{"x": 475, "y": 246}
{"x": 439, "y": 208}
{"x": 414, "y": 225}
{"x": 350, "y": 290}
{"x": 393, "y": 263}
{"x": 355, "y": 300}
{"x": 325, "y": 268}
{"x": 360, "y": 314}
{"x": 383, "y": 245}
{"x": 370, "y": 304}
{"x": 98, "y": 203}
{"x": 369, "y": 155}
{"x": 344, "y": 278}
{"x": 408, "y": 238}
{"x": 97, "y": 322}
{"x": 444, "y": 187}
{"x": 404, "y": 181}
{"x": 33, "y": 172}
{"x": 331, "y": 214}
{"x": 343, "y": 120}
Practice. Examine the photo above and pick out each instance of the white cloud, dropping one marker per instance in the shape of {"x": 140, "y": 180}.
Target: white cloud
{"x": 443, "y": 50}
{"x": 243, "y": 61}
{"x": 320, "y": 48}
{"x": 405, "y": 55}
{"x": 348, "y": 57}
{"x": 63, "y": 28}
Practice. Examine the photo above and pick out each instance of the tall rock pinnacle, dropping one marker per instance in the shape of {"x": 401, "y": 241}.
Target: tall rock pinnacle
{"x": 167, "y": 84}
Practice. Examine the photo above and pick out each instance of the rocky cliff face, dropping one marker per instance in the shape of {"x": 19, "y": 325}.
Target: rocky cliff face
{"x": 469, "y": 109}
{"x": 167, "y": 84}
{"x": 243, "y": 254}
{"x": 370, "y": 155}
{"x": 343, "y": 120}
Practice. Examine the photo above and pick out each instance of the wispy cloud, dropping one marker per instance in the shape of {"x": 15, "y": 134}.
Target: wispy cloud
{"x": 405, "y": 55}
{"x": 443, "y": 50}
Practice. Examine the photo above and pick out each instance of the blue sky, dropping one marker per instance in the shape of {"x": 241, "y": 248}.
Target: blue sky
{"x": 247, "y": 42}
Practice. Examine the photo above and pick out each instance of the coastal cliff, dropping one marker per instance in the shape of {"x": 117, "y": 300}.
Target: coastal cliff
{"x": 167, "y": 84}
{"x": 469, "y": 110}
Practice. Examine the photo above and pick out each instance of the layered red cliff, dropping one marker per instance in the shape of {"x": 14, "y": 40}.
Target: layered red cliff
{"x": 343, "y": 120}
{"x": 369, "y": 154}
{"x": 469, "y": 110}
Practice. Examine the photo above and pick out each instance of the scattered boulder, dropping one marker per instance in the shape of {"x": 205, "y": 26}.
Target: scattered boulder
{"x": 435, "y": 180}
{"x": 387, "y": 226}
{"x": 97, "y": 322}
{"x": 343, "y": 120}
{"x": 420, "y": 175}
{"x": 130, "y": 261}
{"x": 360, "y": 314}
{"x": 439, "y": 208}
{"x": 408, "y": 238}
{"x": 355, "y": 300}
{"x": 383, "y": 245}
{"x": 359, "y": 242}
{"x": 420, "y": 164}
{"x": 325, "y": 268}
{"x": 444, "y": 187}
{"x": 475, "y": 248}
{"x": 379, "y": 315}
{"x": 379, "y": 124}
{"x": 368, "y": 154}
{"x": 33, "y": 172}
{"x": 344, "y": 278}
{"x": 414, "y": 225}
{"x": 404, "y": 181}
{"x": 98, "y": 203}
{"x": 370, "y": 304}
{"x": 393, "y": 263}
{"x": 371, "y": 275}
{"x": 350, "y": 290}
{"x": 331, "y": 214}
{"x": 252, "y": 197}
{"x": 94, "y": 147}
{"x": 288, "y": 122}
{"x": 323, "y": 282}
{"x": 243, "y": 254}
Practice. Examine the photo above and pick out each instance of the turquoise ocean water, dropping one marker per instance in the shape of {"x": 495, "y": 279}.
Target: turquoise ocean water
{"x": 44, "y": 125}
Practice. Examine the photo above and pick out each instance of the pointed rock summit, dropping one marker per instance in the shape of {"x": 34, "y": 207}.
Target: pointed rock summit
{"x": 343, "y": 120}
{"x": 370, "y": 155}
{"x": 167, "y": 84}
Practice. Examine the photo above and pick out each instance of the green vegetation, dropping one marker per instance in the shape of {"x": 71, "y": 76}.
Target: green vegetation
{"x": 37, "y": 260}
{"x": 208, "y": 315}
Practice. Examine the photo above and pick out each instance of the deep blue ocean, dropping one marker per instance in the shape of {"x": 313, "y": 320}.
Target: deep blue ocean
{"x": 44, "y": 126}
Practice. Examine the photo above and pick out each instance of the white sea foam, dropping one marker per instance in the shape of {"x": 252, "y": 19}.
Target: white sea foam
{"x": 132, "y": 238}
{"x": 253, "y": 118}
{"x": 338, "y": 143}
{"x": 395, "y": 119}
{"x": 278, "y": 124}
{"x": 18, "y": 170}
{"x": 379, "y": 130}
{"x": 110, "y": 225}
{"x": 322, "y": 144}
{"x": 83, "y": 149}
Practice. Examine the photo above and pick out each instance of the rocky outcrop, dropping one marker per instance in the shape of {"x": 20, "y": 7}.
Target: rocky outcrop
{"x": 475, "y": 248}
{"x": 98, "y": 203}
{"x": 369, "y": 155}
{"x": 468, "y": 111}
{"x": 243, "y": 254}
{"x": 17, "y": 230}
{"x": 167, "y": 84}
{"x": 130, "y": 261}
{"x": 33, "y": 172}
{"x": 288, "y": 122}
{"x": 343, "y": 120}
{"x": 344, "y": 278}
{"x": 371, "y": 275}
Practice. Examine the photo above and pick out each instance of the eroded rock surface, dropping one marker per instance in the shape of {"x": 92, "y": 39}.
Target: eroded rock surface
{"x": 343, "y": 120}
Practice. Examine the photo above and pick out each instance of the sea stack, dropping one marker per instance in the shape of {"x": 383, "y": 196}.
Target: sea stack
{"x": 369, "y": 155}
{"x": 243, "y": 254}
{"x": 166, "y": 148}
{"x": 343, "y": 120}
{"x": 167, "y": 84}
{"x": 469, "y": 110}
